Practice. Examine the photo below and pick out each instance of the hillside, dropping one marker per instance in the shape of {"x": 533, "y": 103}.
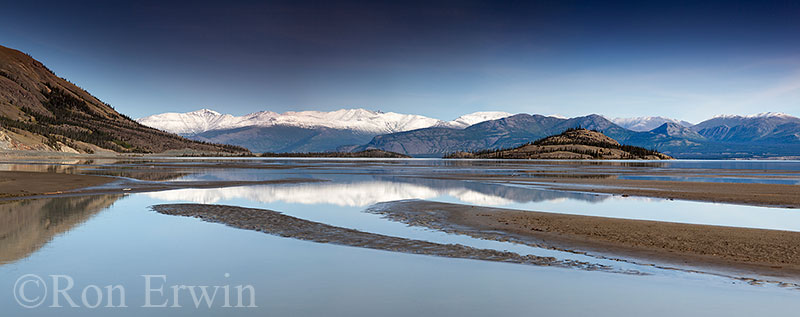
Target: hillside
{"x": 573, "y": 144}
{"x": 40, "y": 111}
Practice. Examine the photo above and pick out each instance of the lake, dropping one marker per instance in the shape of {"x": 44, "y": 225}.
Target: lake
{"x": 101, "y": 240}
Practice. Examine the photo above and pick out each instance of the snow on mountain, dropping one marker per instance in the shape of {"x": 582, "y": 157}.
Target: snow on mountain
{"x": 757, "y": 115}
{"x": 357, "y": 119}
{"x": 191, "y": 122}
{"x": 477, "y": 117}
{"x": 767, "y": 127}
{"x": 555, "y": 115}
{"x": 767, "y": 120}
{"x": 351, "y": 119}
{"x": 646, "y": 123}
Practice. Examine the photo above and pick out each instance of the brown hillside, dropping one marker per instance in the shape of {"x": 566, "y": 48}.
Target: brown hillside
{"x": 43, "y": 112}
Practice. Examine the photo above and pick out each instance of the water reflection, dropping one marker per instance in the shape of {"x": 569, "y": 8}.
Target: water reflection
{"x": 27, "y": 225}
{"x": 375, "y": 190}
{"x": 360, "y": 191}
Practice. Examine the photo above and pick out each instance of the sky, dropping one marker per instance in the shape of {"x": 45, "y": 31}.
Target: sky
{"x": 688, "y": 60}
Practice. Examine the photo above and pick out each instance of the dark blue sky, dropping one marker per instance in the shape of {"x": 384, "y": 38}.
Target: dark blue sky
{"x": 683, "y": 59}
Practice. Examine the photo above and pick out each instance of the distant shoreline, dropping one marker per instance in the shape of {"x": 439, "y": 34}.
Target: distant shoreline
{"x": 373, "y": 153}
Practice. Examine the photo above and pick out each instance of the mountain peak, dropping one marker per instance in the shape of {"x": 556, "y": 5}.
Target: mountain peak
{"x": 206, "y": 111}
{"x": 477, "y": 117}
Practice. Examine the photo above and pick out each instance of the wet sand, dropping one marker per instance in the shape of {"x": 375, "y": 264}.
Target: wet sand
{"x": 278, "y": 224}
{"x": 127, "y": 187}
{"x": 768, "y": 252}
{"x": 27, "y": 185}
{"x": 773, "y": 195}
{"x": 768, "y": 195}
{"x": 19, "y": 184}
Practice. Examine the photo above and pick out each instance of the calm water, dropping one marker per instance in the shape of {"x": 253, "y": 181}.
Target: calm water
{"x": 114, "y": 239}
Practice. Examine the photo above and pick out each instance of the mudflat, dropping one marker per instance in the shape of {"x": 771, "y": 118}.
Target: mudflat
{"x": 777, "y": 195}
{"x": 756, "y": 194}
{"x": 17, "y": 184}
{"x": 769, "y": 252}
{"x": 276, "y": 223}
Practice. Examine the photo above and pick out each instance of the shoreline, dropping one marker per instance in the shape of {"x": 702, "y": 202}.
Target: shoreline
{"x": 772, "y": 253}
{"x": 15, "y": 184}
{"x": 752, "y": 194}
{"x": 34, "y": 185}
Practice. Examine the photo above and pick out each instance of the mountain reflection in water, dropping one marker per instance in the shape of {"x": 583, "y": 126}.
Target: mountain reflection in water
{"x": 378, "y": 189}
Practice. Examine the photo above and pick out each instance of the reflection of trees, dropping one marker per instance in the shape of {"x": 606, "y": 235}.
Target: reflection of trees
{"x": 27, "y": 225}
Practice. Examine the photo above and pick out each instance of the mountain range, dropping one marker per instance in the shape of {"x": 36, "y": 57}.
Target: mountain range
{"x": 303, "y": 131}
{"x": 725, "y": 136}
{"x": 360, "y": 120}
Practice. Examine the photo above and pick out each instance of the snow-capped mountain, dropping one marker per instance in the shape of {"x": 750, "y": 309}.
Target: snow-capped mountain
{"x": 724, "y": 136}
{"x": 646, "y": 123}
{"x": 477, "y": 117}
{"x": 191, "y": 122}
{"x": 767, "y": 127}
{"x": 730, "y": 121}
{"x": 360, "y": 120}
